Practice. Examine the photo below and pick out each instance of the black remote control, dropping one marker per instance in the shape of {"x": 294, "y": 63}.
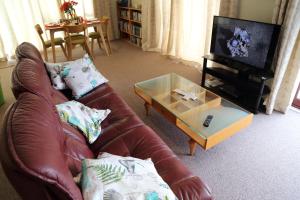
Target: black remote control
{"x": 207, "y": 120}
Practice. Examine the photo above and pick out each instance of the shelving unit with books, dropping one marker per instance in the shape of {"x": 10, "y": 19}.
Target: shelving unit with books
{"x": 130, "y": 24}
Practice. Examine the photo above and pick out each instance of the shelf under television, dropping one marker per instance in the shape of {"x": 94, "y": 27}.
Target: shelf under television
{"x": 247, "y": 103}
{"x": 243, "y": 84}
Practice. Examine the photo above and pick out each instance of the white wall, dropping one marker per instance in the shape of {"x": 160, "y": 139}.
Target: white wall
{"x": 134, "y": 3}
{"x": 257, "y": 10}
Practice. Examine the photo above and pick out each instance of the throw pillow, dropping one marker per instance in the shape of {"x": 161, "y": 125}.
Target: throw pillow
{"x": 54, "y": 70}
{"x": 86, "y": 119}
{"x": 81, "y": 76}
{"x": 117, "y": 178}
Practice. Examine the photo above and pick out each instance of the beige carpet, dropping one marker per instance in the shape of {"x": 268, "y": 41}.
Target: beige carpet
{"x": 260, "y": 162}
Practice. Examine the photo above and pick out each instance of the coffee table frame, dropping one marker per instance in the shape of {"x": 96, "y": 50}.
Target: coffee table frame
{"x": 195, "y": 138}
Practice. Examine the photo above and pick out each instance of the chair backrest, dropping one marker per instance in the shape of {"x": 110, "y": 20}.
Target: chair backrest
{"x": 104, "y": 25}
{"x": 40, "y": 32}
{"x": 75, "y": 28}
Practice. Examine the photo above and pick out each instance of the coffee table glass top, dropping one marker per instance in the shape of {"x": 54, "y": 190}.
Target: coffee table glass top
{"x": 192, "y": 112}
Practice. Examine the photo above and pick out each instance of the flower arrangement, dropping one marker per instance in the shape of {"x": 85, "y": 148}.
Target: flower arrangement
{"x": 68, "y": 8}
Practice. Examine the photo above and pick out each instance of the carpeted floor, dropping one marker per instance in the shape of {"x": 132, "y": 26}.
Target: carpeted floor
{"x": 261, "y": 162}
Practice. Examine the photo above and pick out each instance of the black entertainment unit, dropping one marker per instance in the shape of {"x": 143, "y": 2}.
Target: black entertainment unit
{"x": 243, "y": 85}
{"x": 246, "y": 49}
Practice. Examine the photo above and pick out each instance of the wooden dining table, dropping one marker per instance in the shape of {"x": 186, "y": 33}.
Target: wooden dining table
{"x": 92, "y": 23}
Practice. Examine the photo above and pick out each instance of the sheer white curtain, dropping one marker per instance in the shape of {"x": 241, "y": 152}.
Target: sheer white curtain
{"x": 108, "y": 8}
{"x": 18, "y": 17}
{"x": 17, "y": 20}
{"x": 179, "y": 28}
{"x": 287, "y": 73}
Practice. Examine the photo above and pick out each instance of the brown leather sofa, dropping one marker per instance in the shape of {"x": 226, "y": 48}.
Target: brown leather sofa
{"x": 40, "y": 154}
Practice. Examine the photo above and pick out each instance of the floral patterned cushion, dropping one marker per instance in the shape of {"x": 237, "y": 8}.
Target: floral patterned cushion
{"x": 54, "y": 70}
{"x": 112, "y": 177}
{"x": 81, "y": 76}
{"x": 86, "y": 119}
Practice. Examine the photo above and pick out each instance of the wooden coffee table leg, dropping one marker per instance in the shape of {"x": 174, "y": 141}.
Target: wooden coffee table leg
{"x": 147, "y": 107}
{"x": 192, "y": 145}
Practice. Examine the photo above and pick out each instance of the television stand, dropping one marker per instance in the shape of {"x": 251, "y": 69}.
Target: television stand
{"x": 242, "y": 84}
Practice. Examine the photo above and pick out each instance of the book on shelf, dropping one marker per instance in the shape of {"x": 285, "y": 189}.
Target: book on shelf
{"x": 136, "y": 41}
{"x": 136, "y": 16}
{"x": 124, "y": 14}
{"x": 136, "y": 30}
{"x": 125, "y": 26}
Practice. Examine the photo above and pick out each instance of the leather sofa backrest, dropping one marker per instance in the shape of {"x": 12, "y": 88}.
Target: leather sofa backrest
{"x": 28, "y": 50}
{"x": 30, "y": 75}
{"x": 34, "y": 150}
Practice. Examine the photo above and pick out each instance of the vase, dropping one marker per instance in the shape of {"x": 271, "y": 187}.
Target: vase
{"x": 71, "y": 15}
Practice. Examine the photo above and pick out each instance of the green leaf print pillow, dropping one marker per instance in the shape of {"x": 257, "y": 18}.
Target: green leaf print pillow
{"x": 112, "y": 177}
{"x": 86, "y": 119}
{"x": 81, "y": 76}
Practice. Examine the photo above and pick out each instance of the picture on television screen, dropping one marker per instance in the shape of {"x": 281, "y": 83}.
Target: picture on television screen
{"x": 245, "y": 41}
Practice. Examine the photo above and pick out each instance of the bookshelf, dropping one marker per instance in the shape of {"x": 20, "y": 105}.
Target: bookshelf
{"x": 130, "y": 24}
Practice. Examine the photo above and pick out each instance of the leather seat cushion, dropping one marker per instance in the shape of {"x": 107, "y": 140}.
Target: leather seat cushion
{"x": 57, "y": 41}
{"x": 95, "y": 94}
{"x": 142, "y": 142}
{"x": 120, "y": 120}
{"x": 94, "y": 35}
{"x": 76, "y": 39}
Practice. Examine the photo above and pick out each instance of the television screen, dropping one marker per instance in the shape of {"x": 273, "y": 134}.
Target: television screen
{"x": 249, "y": 42}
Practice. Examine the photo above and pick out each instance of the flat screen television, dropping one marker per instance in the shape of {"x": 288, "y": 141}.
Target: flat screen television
{"x": 249, "y": 43}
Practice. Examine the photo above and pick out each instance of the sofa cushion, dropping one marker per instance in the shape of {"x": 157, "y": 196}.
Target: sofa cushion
{"x": 54, "y": 70}
{"x": 81, "y": 76}
{"x": 87, "y": 120}
{"x": 116, "y": 177}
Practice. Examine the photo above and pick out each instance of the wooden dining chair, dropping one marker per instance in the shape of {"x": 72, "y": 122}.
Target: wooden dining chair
{"x": 96, "y": 35}
{"x": 76, "y": 35}
{"x": 47, "y": 43}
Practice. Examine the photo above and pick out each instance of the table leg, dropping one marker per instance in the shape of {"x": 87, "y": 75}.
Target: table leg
{"x": 103, "y": 39}
{"x": 147, "y": 107}
{"x": 193, "y": 146}
{"x": 52, "y": 45}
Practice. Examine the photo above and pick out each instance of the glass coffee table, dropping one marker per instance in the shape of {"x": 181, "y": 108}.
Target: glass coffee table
{"x": 188, "y": 114}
